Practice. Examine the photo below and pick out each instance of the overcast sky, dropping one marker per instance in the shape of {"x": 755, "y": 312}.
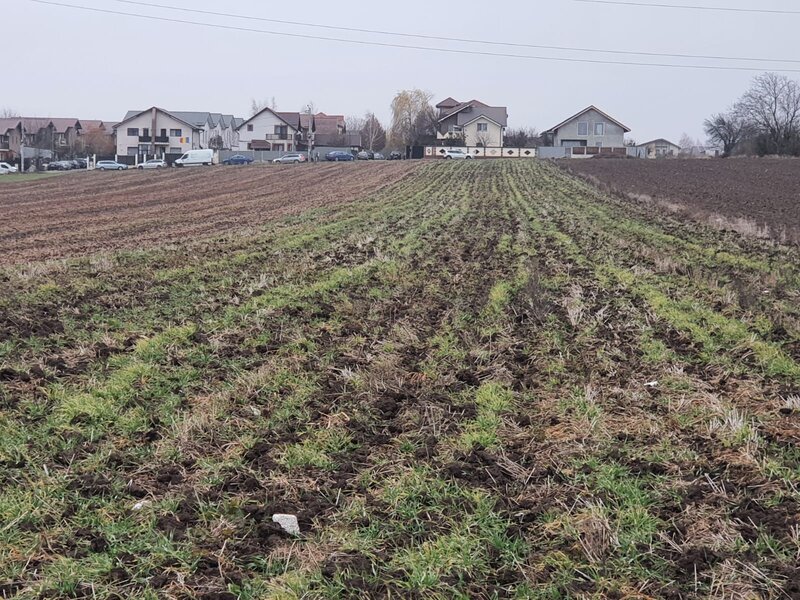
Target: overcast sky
{"x": 63, "y": 62}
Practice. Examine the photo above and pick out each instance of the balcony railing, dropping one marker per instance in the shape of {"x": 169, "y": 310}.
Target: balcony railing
{"x": 145, "y": 138}
{"x": 162, "y": 139}
{"x": 278, "y": 136}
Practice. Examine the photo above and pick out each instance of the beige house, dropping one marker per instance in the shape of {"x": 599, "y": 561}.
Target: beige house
{"x": 473, "y": 123}
{"x": 659, "y": 148}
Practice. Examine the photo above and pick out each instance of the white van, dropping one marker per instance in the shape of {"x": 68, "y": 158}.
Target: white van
{"x": 194, "y": 158}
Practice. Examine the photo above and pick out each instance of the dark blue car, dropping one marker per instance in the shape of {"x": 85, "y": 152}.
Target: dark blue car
{"x": 338, "y": 155}
{"x": 237, "y": 159}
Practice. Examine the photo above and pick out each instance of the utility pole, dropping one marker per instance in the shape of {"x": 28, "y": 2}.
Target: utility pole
{"x": 310, "y": 133}
{"x": 22, "y": 146}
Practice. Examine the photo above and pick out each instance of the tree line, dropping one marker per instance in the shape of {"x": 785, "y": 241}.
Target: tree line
{"x": 764, "y": 121}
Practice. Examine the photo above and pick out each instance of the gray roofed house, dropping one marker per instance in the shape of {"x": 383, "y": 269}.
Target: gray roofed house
{"x": 590, "y": 127}
{"x": 473, "y": 123}
{"x": 208, "y": 125}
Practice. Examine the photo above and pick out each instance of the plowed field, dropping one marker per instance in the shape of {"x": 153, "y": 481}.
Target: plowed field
{"x": 83, "y": 213}
{"x": 758, "y": 197}
{"x": 465, "y": 379}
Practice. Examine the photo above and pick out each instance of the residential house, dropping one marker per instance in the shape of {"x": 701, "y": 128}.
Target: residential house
{"x": 331, "y": 131}
{"x": 156, "y": 132}
{"x": 55, "y": 137}
{"x": 175, "y": 132}
{"x": 474, "y": 123}
{"x": 659, "y": 148}
{"x": 591, "y": 127}
{"x": 275, "y": 131}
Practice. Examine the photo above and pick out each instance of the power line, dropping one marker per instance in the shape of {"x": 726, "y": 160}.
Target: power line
{"x": 453, "y": 39}
{"x": 765, "y": 11}
{"x": 407, "y": 46}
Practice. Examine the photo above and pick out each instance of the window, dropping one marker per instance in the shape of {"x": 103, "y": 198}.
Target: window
{"x": 455, "y": 128}
{"x": 133, "y": 132}
{"x": 600, "y": 129}
{"x": 583, "y": 128}
{"x": 249, "y": 128}
{"x": 175, "y": 150}
{"x": 483, "y": 127}
{"x": 145, "y": 131}
{"x": 133, "y": 150}
{"x": 144, "y": 148}
{"x": 176, "y": 132}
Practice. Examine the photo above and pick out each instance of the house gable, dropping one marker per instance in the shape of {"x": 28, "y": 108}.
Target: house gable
{"x": 586, "y": 110}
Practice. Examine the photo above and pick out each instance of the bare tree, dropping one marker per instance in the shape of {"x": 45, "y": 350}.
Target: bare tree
{"x": 256, "y": 106}
{"x": 96, "y": 141}
{"x": 413, "y": 117}
{"x": 8, "y": 113}
{"x": 354, "y": 124}
{"x": 726, "y": 130}
{"x": 216, "y": 142}
{"x": 523, "y": 137}
{"x": 772, "y": 107}
{"x": 373, "y": 135}
{"x": 688, "y": 145}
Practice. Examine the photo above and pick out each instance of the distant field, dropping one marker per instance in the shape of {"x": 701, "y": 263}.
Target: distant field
{"x": 755, "y": 196}
{"x": 466, "y": 379}
{"x": 80, "y": 213}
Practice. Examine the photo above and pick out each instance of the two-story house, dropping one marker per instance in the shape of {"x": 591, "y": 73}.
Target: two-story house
{"x": 158, "y": 132}
{"x": 591, "y": 127}
{"x": 41, "y": 136}
{"x": 275, "y": 131}
{"x": 474, "y": 123}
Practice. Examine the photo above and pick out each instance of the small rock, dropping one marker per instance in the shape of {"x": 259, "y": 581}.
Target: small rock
{"x": 651, "y": 384}
{"x": 288, "y": 523}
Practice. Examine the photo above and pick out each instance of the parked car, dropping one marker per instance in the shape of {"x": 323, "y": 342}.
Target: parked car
{"x": 290, "y": 159}
{"x": 456, "y": 154}
{"x": 6, "y": 168}
{"x": 109, "y": 165}
{"x": 237, "y": 159}
{"x": 395, "y": 155}
{"x": 379, "y": 156}
{"x": 153, "y": 163}
{"x": 81, "y": 163}
{"x": 339, "y": 155}
{"x": 365, "y": 155}
{"x": 196, "y": 158}
{"x": 59, "y": 165}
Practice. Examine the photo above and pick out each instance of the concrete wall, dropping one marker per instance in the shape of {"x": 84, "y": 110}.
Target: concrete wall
{"x": 613, "y": 135}
{"x": 479, "y": 152}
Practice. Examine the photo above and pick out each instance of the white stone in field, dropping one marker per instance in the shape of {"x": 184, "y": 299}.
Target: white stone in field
{"x": 140, "y": 505}
{"x": 288, "y": 523}
{"x": 651, "y": 384}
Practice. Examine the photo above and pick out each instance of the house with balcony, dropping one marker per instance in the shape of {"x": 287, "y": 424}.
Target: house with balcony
{"x": 472, "y": 124}
{"x": 276, "y": 131}
{"x": 159, "y": 132}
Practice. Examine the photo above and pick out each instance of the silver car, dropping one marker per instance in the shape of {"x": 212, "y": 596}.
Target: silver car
{"x": 109, "y": 165}
{"x": 290, "y": 159}
{"x": 155, "y": 163}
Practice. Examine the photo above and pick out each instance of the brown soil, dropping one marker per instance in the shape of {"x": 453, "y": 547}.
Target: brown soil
{"x": 763, "y": 191}
{"x": 84, "y": 213}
